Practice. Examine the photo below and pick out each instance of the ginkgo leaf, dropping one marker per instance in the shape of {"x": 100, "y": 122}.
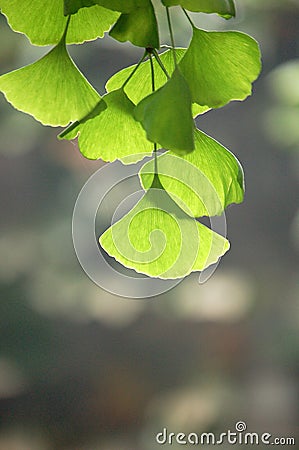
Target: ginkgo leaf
{"x": 159, "y": 239}
{"x": 111, "y": 132}
{"x": 51, "y": 89}
{"x": 44, "y": 22}
{"x": 220, "y": 66}
{"x": 169, "y": 108}
{"x": 138, "y": 26}
{"x": 225, "y": 8}
{"x": 205, "y": 181}
{"x": 140, "y": 85}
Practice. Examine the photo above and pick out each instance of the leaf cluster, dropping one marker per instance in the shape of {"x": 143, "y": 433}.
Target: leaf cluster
{"x": 148, "y": 106}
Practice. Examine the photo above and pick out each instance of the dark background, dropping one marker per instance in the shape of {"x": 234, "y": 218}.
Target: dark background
{"x": 81, "y": 369}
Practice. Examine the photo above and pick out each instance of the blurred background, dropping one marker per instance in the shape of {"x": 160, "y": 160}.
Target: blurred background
{"x": 81, "y": 369}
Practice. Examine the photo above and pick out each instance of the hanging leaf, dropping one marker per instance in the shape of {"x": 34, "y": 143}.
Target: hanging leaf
{"x": 204, "y": 181}
{"x": 159, "y": 239}
{"x": 111, "y": 132}
{"x": 138, "y": 26}
{"x": 220, "y": 66}
{"x": 44, "y": 22}
{"x": 140, "y": 85}
{"x": 225, "y": 8}
{"x": 169, "y": 108}
{"x": 51, "y": 89}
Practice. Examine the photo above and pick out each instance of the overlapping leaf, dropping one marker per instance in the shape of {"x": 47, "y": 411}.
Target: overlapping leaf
{"x": 225, "y": 8}
{"x": 205, "y": 181}
{"x": 220, "y": 66}
{"x": 140, "y": 85}
{"x": 139, "y": 26}
{"x": 51, "y": 89}
{"x": 159, "y": 239}
{"x": 169, "y": 108}
{"x": 110, "y": 132}
{"x": 44, "y": 22}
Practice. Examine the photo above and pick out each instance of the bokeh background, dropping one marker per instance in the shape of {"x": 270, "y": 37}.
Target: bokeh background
{"x": 81, "y": 369}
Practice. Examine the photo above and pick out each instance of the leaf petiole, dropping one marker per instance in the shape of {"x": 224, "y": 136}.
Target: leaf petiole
{"x": 171, "y": 36}
{"x": 188, "y": 17}
{"x": 159, "y": 61}
{"x": 135, "y": 69}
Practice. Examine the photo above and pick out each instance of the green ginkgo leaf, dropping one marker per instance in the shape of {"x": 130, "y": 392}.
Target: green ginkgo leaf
{"x": 169, "y": 108}
{"x": 204, "y": 181}
{"x": 51, "y": 89}
{"x": 43, "y": 22}
{"x": 138, "y": 26}
{"x": 111, "y": 132}
{"x": 140, "y": 85}
{"x": 220, "y": 66}
{"x": 159, "y": 239}
{"x": 225, "y": 8}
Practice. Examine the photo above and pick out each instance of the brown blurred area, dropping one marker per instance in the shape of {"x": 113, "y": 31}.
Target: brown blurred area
{"x": 81, "y": 369}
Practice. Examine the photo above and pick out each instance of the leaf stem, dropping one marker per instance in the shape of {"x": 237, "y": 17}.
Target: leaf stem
{"x": 153, "y": 89}
{"x": 188, "y": 17}
{"x": 171, "y": 35}
{"x": 159, "y": 61}
{"x": 135, "y": 69}
{"x": 63, "y": 38}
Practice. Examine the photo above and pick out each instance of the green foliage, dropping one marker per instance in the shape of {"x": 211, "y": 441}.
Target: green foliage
{"x": 111, "y": 131}
{"x": 44, "y": 22}
{"x": 159, "y": 239}
{"x": 52, "y": 89}
{"x": 165, "y": 109}
{"x": 139, "y": 26}
{"x": 191, "y": 178}
{"x": 220, "y": 66}
{"x": 147, "y": 106}
{"x": 225, "y": 8}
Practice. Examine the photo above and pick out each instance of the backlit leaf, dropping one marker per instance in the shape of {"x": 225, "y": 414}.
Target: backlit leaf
{"x": 206, "y": 180}
{"x": 111, "y": 132}
{"x": 225, "y": 8}
{"x": 220, "y": 66}
{"x": 138, "y": 26}
{"x": 166, "y": 115}
{"x": 51, "y": 89}
{"x": 43, "y": 22}
{"x": 159, "y": 239}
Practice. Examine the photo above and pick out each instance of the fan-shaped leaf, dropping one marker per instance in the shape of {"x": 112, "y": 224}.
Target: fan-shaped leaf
{"x": 167, "y": 109}
{"x": 206, "y": 180}
{"x": 51, "y": 89}
{"x": 44, "y": 22}
{"x": 110, "y": 132}
{"x": 138, "y": 26}
{"x": 159, "y": 239}
{"x": 220, "y": 66}
{"x": 225, "y": 8}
